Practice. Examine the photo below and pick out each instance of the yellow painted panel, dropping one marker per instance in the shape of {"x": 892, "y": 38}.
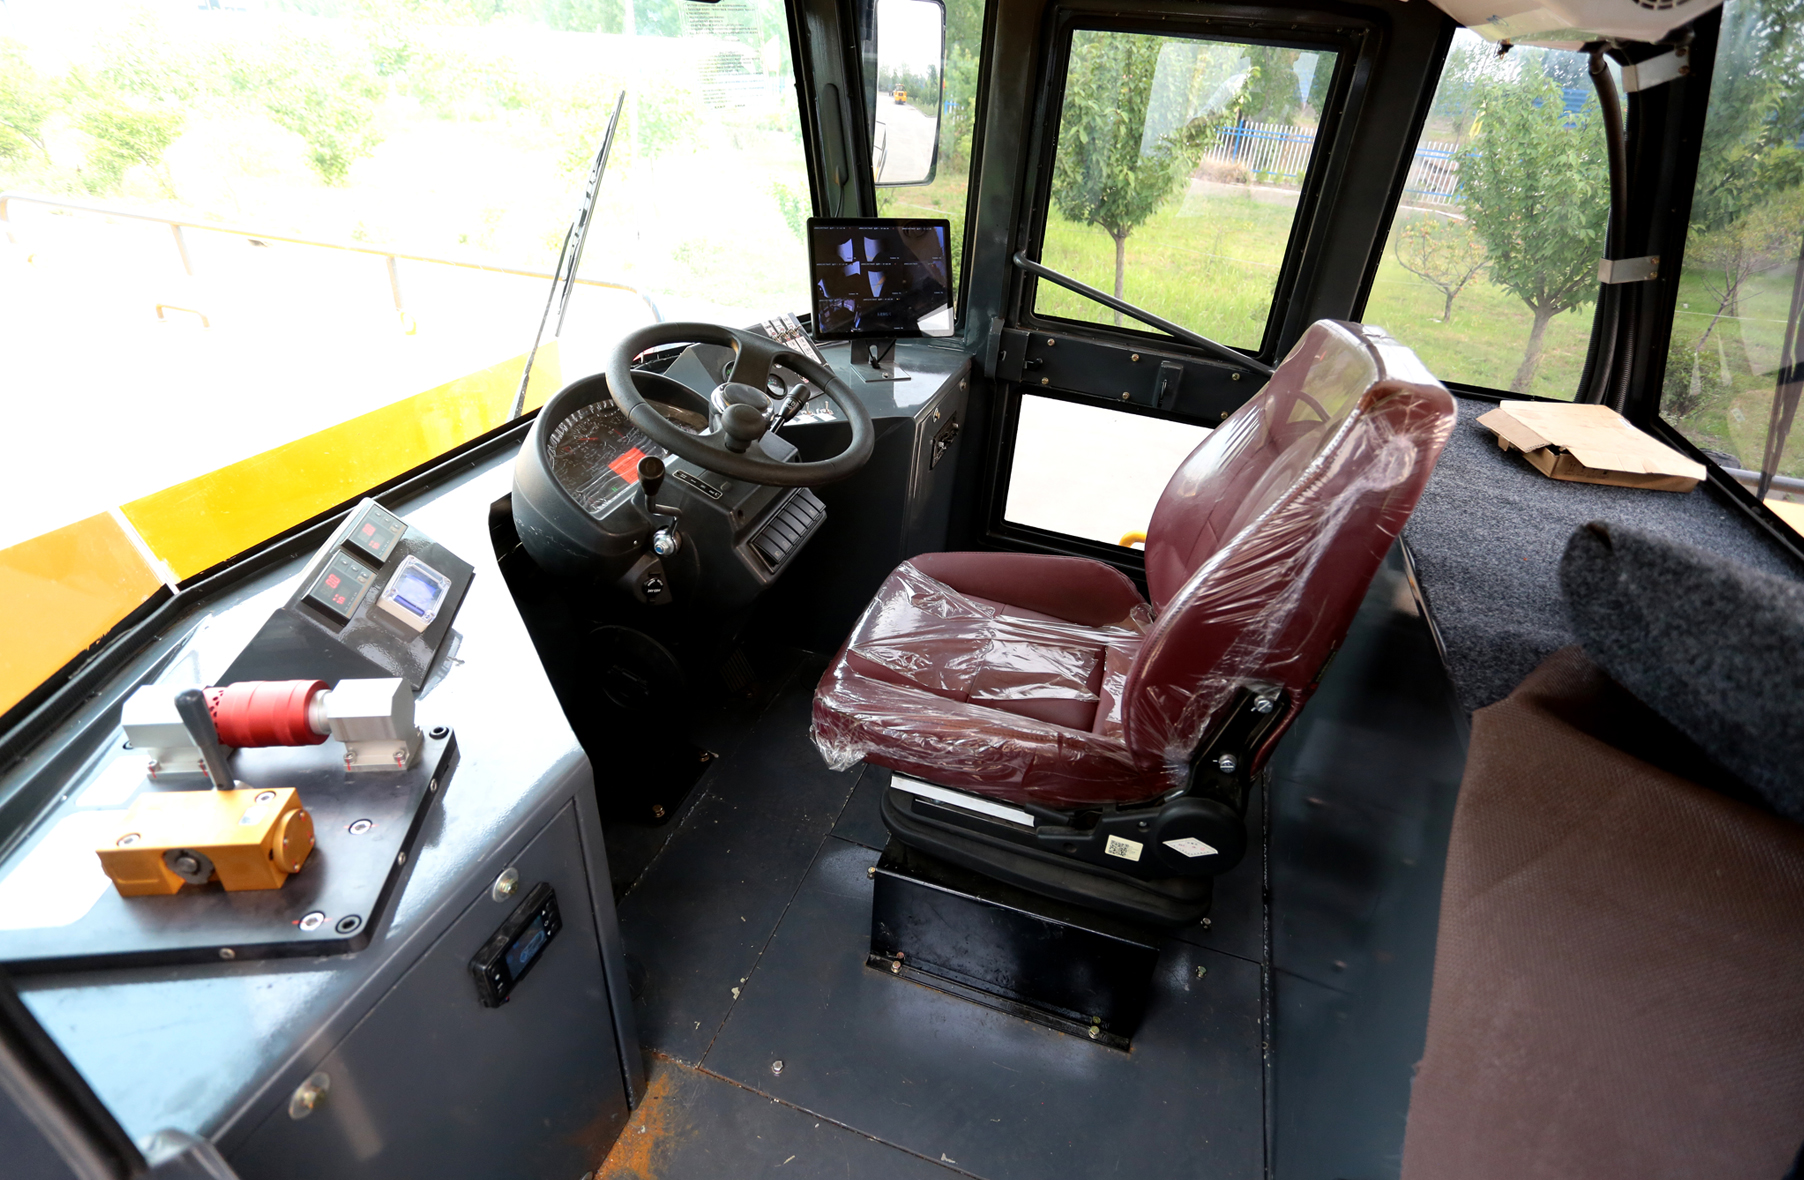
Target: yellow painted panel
{"x": 63, "y": 591}
{"x": 195, "y": 525}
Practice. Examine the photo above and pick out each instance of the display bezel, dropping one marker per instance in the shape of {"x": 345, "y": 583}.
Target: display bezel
{"x": 881, "y": 223}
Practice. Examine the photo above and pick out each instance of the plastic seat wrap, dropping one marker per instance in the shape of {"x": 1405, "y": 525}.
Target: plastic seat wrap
{"x": 1258, "y": 554}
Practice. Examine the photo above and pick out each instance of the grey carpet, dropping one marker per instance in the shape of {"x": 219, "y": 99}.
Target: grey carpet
{"x": 1714, "y": 647}
{"x": 1487, "y": 539}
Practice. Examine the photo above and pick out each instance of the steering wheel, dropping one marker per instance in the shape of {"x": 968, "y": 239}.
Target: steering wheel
{"x": 742, "y": 407}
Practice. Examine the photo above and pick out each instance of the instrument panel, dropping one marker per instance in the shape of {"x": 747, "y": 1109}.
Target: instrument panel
{"x": 594, "y": 453}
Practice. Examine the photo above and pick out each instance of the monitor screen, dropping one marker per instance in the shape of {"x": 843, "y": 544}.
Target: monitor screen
{"x": 880, "y": 277}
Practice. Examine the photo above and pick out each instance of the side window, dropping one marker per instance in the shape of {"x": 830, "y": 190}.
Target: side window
{"x": 1490, "y": 269}
{"x": 898, "y": 101}
{"x": 1732, "y": 367}
{"x": 1091, "y": 471}
{"x": 1176, "y": 177}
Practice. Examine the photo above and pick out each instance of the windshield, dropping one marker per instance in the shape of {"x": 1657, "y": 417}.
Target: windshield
{"x": 383, "y": 167}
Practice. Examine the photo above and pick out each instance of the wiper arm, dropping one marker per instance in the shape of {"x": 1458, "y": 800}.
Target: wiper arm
{"x": 1232, "y": 355}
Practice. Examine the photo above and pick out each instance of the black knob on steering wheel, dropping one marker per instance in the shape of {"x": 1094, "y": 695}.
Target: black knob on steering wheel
{"x": 732, "y": 450}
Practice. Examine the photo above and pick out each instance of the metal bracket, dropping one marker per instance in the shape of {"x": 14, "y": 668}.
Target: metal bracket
{"x": 1628, "y": 270}
{"x": 1657, "y": 71}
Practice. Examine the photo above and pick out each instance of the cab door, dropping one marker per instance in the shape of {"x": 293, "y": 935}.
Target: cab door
{"x": 1218, "y": 179}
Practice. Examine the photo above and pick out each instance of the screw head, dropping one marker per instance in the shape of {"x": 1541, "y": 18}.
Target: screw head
{"x": 312, "y": 922}
{"x": 1124, "y": 395}
{"x": 1045, "y": 381}
{"x": 263, "y": 796}
{"x": 1228, "y": 763}
{"x": 226, "y": 952}
{"x": 776, "y": 1068}
{"x": 657, "y": 811}
{"x": 359, "y": 827}
{"x": 127, "y": 840}
{"x": 1264, "y": 705}
{"x": 1234, "y": 376}
{"x": 1134, "y": 357}
{"x": 505, "y": 884}
{"x": 1095, "y": 1032}
{"x": 870, "y": 871}
{"x": 1201, "y": 971}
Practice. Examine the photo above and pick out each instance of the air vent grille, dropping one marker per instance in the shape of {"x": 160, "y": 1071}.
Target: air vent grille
{"x": 784, "y": 530}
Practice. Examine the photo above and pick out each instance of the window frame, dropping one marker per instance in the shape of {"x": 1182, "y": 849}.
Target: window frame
{"x": 1353, "y": 40}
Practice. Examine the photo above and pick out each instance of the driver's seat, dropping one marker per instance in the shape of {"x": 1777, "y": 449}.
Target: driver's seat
{"x": 1052, "y": 729}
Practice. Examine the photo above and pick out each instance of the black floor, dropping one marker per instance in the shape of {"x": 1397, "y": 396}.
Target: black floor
{"x": 1280, "y": 1040}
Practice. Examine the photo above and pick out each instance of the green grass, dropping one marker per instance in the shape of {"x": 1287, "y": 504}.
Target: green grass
{"x": 1211, "y": 262}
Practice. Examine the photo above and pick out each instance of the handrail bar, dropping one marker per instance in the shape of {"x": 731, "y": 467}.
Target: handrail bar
{"x": 393, "y": 256}
{"x": 1231, "y": 355}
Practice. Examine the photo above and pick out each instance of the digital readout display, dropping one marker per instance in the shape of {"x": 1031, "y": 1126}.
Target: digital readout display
{"x": 417, "y": 593}
{"x": 526, "y": 947}
{"x": 341, "y": 584}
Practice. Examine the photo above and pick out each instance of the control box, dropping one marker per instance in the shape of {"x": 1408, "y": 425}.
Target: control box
{"x": 377, "y": 600}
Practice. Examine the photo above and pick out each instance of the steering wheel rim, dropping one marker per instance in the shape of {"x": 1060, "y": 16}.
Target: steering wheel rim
{"x": 709, "y": 450}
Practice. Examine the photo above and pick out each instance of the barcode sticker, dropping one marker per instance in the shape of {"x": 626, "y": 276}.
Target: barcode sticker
{"x": 1125, "y": 849}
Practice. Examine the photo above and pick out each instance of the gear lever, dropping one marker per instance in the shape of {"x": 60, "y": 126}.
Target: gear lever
{"x": 665, "y": 540}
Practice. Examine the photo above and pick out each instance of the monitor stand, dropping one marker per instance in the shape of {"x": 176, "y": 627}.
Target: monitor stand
{"x": 875, "y": 360}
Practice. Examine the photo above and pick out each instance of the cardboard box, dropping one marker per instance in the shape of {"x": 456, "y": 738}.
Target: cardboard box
{"x": 1590, "y": 444}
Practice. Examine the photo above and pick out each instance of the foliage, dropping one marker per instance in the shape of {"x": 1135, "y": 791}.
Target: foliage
{"x": 1445, "y": 254}
{"x": 323, "y": 95}
{"x": 1272, "y": 92}
{"x": 1756, "y": 114}
{"x": 26, "y": 101}
{"x": 1760, "y": 239}
{"x": 1106, "y": 173}
{"x": 1536, "y": 188}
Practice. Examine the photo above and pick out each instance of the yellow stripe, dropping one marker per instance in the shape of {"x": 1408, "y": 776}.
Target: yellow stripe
{"x": 195, "y": 525}
{"x": 63, "y": 591}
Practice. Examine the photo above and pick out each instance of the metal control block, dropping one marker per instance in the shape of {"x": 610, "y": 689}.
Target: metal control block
{"x": 246, "y": 838}
{"x": 153, "y": 727}
{"x": 374, "y": 720}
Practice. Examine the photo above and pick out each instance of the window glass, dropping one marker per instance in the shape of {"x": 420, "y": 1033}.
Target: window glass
{"x": 1490, "y": 269}
{"x": 457, "y": 131}
{"x": 946, "y": 195}
{"x": 1090, "y": 471}
{"x": 1176, "y": 177}
{"x": 1739, "y": 288}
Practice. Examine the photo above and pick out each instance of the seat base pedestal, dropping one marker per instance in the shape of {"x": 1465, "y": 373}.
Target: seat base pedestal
{"x": 1070, "y": 969}
{"x": 1168, "y": 903}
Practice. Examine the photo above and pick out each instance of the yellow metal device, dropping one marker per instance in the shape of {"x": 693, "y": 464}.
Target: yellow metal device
{"x": 246, "y": 838}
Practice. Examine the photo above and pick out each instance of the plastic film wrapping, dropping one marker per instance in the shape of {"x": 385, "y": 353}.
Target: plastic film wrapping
{"x": 1259, "y": 553}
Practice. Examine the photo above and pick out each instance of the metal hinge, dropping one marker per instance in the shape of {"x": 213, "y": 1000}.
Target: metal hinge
{"x": 1628, "y": 270}
{"x": 1656, "y": 71}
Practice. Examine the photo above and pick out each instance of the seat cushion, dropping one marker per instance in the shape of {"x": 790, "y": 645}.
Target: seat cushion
{"x": 991, "y": 696}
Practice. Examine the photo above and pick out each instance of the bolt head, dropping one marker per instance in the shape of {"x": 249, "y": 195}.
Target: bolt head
{"x": 1233, "y": 376}
{"x": 1263, "y": 705}
{"x": 657, "y": 810}
{"x": 1228, "y": 763}
{"x": 776, "y": 1067}
{"x": 127, "y": 840}
{"x": 264, "y": 796}
{"x": 1095, "y": 1032}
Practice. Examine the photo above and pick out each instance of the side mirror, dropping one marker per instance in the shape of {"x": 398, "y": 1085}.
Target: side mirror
{"x": 910, "y": 44}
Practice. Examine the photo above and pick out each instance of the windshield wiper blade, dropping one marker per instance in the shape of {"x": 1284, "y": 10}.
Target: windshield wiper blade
{"x": 1232, "y": 355}
{"x": 570, "y": 256}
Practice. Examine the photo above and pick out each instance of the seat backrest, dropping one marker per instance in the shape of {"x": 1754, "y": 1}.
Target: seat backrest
{"x": 1265, "y": 540}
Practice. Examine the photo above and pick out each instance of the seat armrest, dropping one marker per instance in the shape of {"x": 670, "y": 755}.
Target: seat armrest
{"x": 1075, "y": 589}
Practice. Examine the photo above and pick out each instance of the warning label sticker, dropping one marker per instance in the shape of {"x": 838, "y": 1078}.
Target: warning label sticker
{"x": 1125, "y": 849}
{"x": 1191, "y": 846}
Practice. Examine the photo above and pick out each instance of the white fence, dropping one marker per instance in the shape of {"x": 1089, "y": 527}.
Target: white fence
{"x": 1276, "y": 153}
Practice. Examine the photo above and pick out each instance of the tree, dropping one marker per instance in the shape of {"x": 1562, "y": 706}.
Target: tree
{"x": 1537, "y": 192}
{"x": 25, "y": 102}
{"x": 1758, "y": 240}
{"x": 326, "y": 97}
{"x": 1106, "y": 174}
{"x": 1445, "y": 254}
